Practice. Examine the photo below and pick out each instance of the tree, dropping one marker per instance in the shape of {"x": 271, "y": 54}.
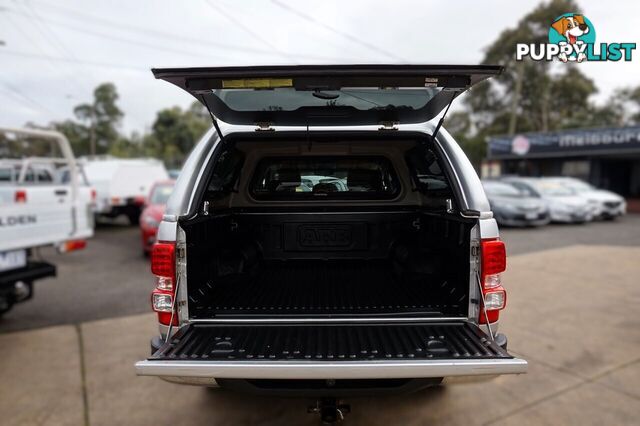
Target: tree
{"x": 524, "y": 89}
{"x": 175, "y": 132}
{"x": 528, "y": 96}
{"x": 569, "y": 107}
{"x": 633, "y": 96}
{"x": 101, "y": 118}
{"x": 125, "y": 147}
{"x": 76, "y": 133}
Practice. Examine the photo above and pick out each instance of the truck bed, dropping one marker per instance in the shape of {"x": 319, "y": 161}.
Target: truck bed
{"x": 325, "y": 288}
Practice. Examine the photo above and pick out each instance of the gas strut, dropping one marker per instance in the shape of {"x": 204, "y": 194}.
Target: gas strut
{"x": 213, "y": 118}
{"x": 437, "y": 128}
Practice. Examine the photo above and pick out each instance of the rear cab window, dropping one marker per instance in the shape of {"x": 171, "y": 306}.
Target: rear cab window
{"x": 324, "y": 178}
{"x": 426, "y": 172}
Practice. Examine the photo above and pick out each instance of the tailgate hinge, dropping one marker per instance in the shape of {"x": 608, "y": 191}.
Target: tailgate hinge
{"x": 475, "y": 250}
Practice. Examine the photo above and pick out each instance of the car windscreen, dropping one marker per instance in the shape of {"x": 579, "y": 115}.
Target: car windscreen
{"x": 161, "y": 194}
{"x": 335, "y": 178}
{"x": 7, "y": 174}
{"x": 499, "y": 189}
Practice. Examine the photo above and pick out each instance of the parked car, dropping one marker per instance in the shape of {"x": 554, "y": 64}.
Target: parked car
{"x": 563, "y": 203}
{"x": 37, "y": 210}
{"x": 606, "y": 204}
{"x": 389, "y": 283}
{"x": 153, "y": 211}
{"x": 122, "y": 185}
{"x": 323, "y": 183}
{"x": 513, "y": 207}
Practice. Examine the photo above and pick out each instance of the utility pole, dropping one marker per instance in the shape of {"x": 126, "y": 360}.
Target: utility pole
{"x": 3, "y": 9}
{"x": 92, "y": 131}
{"x": 515, "y": 98}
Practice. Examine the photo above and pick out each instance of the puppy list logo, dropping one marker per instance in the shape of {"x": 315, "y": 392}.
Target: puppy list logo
{"x": 572, "y": 38}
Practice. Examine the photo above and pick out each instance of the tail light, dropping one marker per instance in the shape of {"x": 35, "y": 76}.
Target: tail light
{"x": 163, "y": 266}
{"x": 94, "y": 194}
{"x": 20, "y": 196}
{"x": 494, "y": 261}
{"x": 73, "y": 245}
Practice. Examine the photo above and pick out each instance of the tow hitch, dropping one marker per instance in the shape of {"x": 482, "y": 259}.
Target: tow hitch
{"x": 330, "y": 410}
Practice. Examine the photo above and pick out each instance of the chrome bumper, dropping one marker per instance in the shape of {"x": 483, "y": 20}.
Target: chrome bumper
{"x": 330, "y": 370}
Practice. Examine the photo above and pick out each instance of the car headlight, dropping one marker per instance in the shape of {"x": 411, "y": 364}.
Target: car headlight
{"x": 150, "y": 221}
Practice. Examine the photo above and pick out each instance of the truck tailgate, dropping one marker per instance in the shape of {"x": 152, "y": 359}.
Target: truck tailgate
{"x": 330, "y": 351}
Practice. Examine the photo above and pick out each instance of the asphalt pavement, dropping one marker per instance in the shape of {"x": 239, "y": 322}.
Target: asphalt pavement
{"x": 111, "y": 277}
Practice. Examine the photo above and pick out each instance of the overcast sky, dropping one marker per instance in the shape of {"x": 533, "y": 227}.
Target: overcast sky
{"x": 54, "y": 52}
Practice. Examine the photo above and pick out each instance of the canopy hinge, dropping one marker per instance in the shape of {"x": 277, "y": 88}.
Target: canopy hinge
{"x": 264, "y": 126}
{"x": 388, "y": 125}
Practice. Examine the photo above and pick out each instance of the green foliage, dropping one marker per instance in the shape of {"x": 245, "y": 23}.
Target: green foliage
{"x": 77, "y": 134}
{"x": 175, "y": 132}
{"x": 101, "y": 119}
{"x": 97, "y": 127}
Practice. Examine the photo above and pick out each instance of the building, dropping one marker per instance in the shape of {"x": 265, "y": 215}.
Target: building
{"x": 609, "y": 158}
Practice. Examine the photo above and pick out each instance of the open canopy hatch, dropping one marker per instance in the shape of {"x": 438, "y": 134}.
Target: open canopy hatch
{"x": 327, "y": 95}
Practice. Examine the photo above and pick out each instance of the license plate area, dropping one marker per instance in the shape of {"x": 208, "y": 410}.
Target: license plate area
{"x": 13, "y": 259}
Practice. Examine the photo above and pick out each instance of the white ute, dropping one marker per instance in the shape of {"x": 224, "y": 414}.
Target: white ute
{"x": 122, "y": 185}
{"x": 37, "y": 208}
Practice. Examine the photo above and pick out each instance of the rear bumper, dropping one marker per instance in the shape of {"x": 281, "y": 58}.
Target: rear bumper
{"x": 112, "y": 211}
{"x": 33, "y": 271}
{"x": 570, "y": 217}
{"x": 518, "y": 220}
{"x": 148, "y": 237}
{"x": 330, "y": 370}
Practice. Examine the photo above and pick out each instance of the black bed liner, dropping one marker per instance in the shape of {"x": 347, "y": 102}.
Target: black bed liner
{"x": 303, "y": 288}
{"x": 329, "y": 342}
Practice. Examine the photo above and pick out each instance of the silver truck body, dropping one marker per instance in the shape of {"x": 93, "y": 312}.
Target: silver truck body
{"x": 184, "y": 204}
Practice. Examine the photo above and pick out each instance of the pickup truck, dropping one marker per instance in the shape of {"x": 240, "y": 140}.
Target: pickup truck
{"x": 328, "y": 238}
{"x": 37, "y": 208}
{"x": 122, "y": 184}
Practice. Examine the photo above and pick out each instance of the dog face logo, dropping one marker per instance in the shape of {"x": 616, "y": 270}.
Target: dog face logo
{"x": 572, "y": 30}
{"x": 571, "y": 27}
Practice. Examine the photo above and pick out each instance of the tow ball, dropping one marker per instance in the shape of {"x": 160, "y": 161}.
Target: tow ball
{"x": 330, "y": 410}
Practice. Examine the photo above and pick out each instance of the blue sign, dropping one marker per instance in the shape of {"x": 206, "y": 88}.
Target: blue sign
{"x": 566, "y": 142}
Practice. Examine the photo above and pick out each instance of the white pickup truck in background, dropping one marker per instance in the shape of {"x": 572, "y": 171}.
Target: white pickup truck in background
{"x": 38, "y": 207}
{"x": 122, "y": 185}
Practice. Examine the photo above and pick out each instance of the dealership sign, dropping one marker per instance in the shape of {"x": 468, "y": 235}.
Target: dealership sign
{"x": 577, "y": 142}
